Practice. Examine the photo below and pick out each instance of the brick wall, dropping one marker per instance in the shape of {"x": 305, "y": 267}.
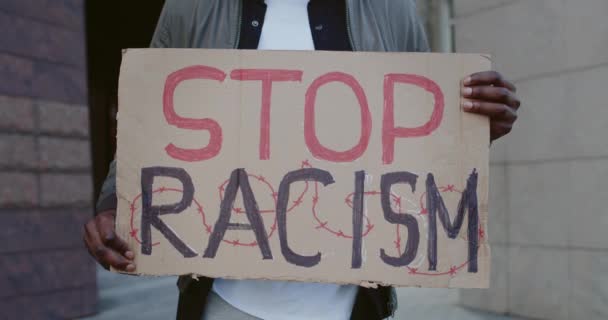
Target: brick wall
{"x": 548, "y": 216}
{"x": 45, "y": 161}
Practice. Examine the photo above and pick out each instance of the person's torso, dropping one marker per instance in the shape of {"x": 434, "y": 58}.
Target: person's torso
{"x": 286, "y": 26}
{"x": 360, "y": 25}
{"x": 373, "y": 25}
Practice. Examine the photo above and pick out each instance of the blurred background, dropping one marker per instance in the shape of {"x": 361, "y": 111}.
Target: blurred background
{"x": 59, "y": 63}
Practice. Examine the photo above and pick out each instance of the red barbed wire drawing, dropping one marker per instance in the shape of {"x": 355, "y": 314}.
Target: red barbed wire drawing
{"x": 262, "y": 179}
{"x": 397, "y": 202}
{"x": 134, "y": 232}
{"x": 349, "y": 202}
{"x": 324, "y": 225}
{"x": 453, "y": 271}
{"x": 448, "y": 188}
{"x": 238, "y": 210}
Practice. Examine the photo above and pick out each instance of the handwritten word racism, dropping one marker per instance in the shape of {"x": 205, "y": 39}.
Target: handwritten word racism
{"x": 390, "y": 132}
{"x": 239, "y": 180}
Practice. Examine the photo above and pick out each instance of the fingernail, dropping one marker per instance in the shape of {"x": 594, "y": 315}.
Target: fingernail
{"x": 467, "y": 81}
{"x": 129, "y": 255}
{"x": 467, "y": 105}
{"x": 131, "y": 267}
{"x": 467, "y": 91}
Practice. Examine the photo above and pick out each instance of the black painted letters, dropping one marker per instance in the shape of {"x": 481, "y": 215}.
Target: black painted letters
{"x": 151, "y": 214}
{"x": 435, "y": 205}
{"x": 295, "y": 176}
{"x": 238, "y": 179}
{"x": 413, "y": 233}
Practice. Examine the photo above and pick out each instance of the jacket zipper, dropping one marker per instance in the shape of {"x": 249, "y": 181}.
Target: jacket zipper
{"x": 348, "y": 30}
{"x": 239, "y": 25}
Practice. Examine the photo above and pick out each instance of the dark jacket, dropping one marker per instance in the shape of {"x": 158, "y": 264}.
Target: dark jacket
{"x": 360, "y": 25}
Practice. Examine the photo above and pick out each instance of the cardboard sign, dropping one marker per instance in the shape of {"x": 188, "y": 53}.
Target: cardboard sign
{"x": 355, "y": 168}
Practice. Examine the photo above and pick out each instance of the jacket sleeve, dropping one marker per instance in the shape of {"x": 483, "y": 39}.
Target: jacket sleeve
{"x": 415, "y": 39}
{"x": 107, "y": 198}
{"x": 162, "y": 34}
{"x": 176, "y": 22}
{"x": 161, "y": 39}
{"x": 387, "y": 25}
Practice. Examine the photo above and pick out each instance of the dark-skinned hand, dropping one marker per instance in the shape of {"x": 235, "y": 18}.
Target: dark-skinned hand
{"x": 104, "y": 245}
{"x": 490, "y": 94}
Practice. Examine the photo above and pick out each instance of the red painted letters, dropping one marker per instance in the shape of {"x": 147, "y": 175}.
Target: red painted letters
{"x": 310, "y": 134}
{"x": 389, "y": 131}
{"x": 215, "y": 131}
{"x": 267, "y": 76}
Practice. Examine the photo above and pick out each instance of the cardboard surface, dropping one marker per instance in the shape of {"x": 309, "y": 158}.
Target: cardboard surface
{"x": 354, "y": 167}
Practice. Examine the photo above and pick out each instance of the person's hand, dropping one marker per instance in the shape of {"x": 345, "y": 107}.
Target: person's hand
{"x": 104, "y": 245}
{"x": 490, "y": 94}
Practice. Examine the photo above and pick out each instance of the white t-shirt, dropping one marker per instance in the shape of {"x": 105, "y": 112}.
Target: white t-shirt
{"x": 286, "y": 27}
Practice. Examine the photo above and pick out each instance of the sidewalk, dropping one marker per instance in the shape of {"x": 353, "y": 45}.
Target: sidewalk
{"x": 134, "y": 298}
{"x": 437, "y": 304}
{"x": 148, "y": 298}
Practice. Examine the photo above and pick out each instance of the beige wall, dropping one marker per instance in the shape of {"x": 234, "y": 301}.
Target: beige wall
{"x": 549, "y": 193}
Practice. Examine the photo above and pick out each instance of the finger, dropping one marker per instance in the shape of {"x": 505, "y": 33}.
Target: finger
{"x": 496, "y": 111}
{"x": 489, "y": 78}
{"x": 104, "y": 255}
{"x": 108, "y": 235}
{"x": 94, "y": 244}
{"x": 491, "y": 94}
{"x": 90, "y": 245}
{"x": 499, "y": 129}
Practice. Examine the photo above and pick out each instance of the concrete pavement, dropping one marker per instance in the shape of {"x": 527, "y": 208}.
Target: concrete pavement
{"x": 150, "y": 298}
